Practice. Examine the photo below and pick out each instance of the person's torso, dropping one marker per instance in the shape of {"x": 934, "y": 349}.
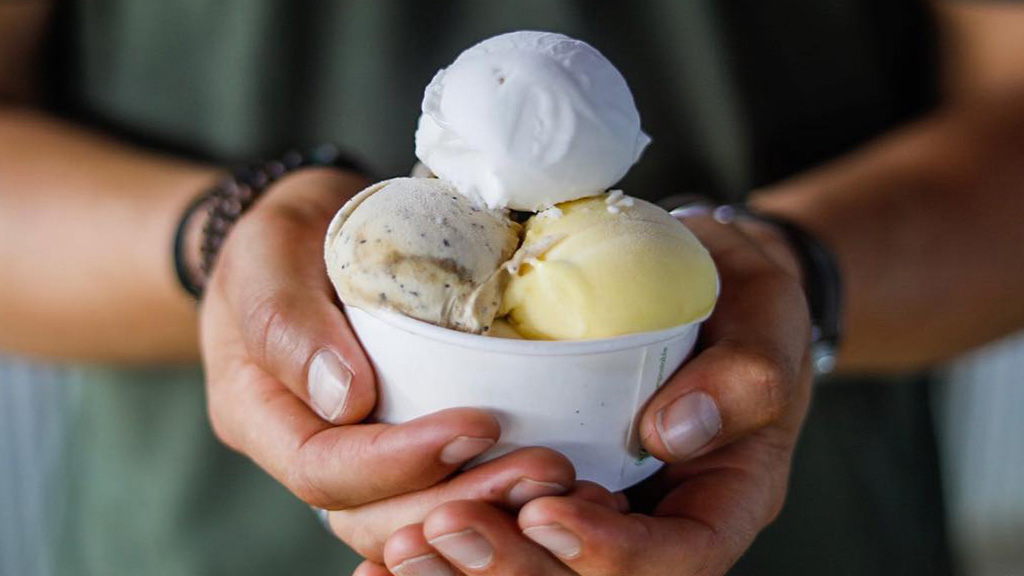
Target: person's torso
{"x": 735, "y": 93}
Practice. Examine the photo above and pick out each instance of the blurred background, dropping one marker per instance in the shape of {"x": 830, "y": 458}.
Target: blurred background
{"x": 981, "y": 437}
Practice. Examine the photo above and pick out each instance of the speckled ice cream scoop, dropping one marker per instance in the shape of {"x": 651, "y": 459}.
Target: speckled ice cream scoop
{"x": 418, "y": 247}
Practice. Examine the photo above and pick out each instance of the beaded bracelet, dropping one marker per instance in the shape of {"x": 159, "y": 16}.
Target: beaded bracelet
{"x": 227, "y": 201}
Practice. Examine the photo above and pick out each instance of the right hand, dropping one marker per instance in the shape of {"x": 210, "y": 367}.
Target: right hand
{"x": 288, "y": 384}
{"x": 726, "y": 424}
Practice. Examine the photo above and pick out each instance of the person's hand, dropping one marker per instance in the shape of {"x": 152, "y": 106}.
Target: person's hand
{"x": 287, "y": 383}
{"x": 727, "y": 423}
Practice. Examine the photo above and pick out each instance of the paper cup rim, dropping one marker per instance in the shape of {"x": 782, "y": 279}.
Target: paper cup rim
{"x": 512, "y": 346}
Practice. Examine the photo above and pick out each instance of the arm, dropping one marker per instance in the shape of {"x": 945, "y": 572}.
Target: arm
{"x": 85, "y": 227}
{"x": 926, "y": 221}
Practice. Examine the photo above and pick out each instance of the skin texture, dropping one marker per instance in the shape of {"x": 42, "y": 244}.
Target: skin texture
{"x": 101, "y": 214}
{"x": 85, "y": 254}
{"x": 705, "y": 508}
{"x": 267, "y": 322}
{"x": 939, "y": 199}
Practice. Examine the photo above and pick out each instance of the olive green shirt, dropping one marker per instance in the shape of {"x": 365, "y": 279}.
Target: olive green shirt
{"x": 735, "y": 93}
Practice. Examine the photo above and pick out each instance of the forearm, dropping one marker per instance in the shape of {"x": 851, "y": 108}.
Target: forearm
{"x": 926, "y": 223}
{"x": 85, "y": 237}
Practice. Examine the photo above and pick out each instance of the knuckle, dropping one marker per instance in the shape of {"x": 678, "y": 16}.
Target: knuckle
{"x": 770, "y": 379}
{"x": 300, "y": 480}
{"x": 267, "y": 325}
{"x": 378, "y": 449}
{"x": 299, "y": 483}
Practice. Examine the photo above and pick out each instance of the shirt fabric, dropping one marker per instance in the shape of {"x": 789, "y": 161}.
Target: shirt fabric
{"x": 735, "y": 93}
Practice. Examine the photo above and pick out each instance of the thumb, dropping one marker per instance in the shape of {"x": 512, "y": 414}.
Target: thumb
{"x": 271, "y": 273}
{"x": 752, "y": 371}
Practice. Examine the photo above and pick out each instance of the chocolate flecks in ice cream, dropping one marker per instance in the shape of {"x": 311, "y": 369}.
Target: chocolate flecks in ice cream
{"x": 439, "y": 262}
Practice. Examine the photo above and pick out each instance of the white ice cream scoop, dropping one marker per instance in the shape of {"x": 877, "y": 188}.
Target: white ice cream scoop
{"x": 526, "y": 120}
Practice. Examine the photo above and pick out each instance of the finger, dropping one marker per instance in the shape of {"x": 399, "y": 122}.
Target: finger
{"x": 271, "y": 272}
{"x": 407, "y": 553}
{"x": 508, "y": 482}
{"x": 370, "y": 569}
{"x": 752, "y": 371}
{"x": 701, "y": 526}
{"x": 594, "y": 541}
{"x": 481, "y": 539}
{"x": 337, "y": 467}
{"x": 325, "y": 465}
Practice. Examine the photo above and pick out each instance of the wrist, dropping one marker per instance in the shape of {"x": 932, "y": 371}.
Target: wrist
{"x": 176, "y": 202}
{"x": 316, "y": 192}
{"x": 205, "y": 224}
{"x": 820, "y": 277}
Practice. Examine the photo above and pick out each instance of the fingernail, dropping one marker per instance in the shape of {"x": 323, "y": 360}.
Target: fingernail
{"x": 328, "y": 382}
{"x": 688, "y": 424}
{"x": 467, "y": 548}
{"x": 463, "y": 448}
{"x": 527, "y": 489}
{"x": 555, "y": 538}
{"x": 425, "y": 565}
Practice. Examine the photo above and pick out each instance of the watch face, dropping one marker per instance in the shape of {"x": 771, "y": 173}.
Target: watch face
{"x": 823, "y": 356}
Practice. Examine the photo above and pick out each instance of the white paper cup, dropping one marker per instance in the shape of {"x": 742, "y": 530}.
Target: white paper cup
{"x": 581, "y": 398}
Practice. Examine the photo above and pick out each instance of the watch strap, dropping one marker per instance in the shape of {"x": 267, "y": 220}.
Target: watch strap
{"x": 823, "y": 286}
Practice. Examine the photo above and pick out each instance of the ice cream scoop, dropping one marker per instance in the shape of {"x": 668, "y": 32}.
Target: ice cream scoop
{"x": 606, "y": 266}
{"x": 418, "y": 247}
{"x": 526, "y": 120}
{"x": 539, "y": 123}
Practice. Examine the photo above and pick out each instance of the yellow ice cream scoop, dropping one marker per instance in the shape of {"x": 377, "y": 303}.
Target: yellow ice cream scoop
{"x": 605, "y": 266}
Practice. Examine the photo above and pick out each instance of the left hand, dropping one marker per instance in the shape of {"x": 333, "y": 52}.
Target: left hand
{"x": 727, "y": 424}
